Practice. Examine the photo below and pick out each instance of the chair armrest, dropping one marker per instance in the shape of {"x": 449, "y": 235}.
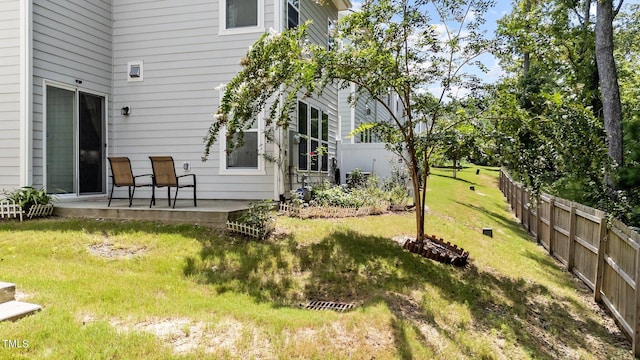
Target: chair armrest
{"x": 179, "y": 176}
{"x": 137, "y": 176}
{"x": 185, "y": 175}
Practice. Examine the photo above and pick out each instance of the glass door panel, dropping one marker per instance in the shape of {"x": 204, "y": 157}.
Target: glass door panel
{"x": 60, "y": 139}
{"x": 91, "y": 143}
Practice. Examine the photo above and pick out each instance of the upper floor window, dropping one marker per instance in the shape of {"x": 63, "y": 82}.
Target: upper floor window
{"x": 241, "y": 16}
{"x": 293, "y": 14}
{"x": 331, "y": 30}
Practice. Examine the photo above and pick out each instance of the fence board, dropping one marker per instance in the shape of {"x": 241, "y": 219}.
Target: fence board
{"x": 603, "y": 253}
{"x": 561, "y": 226}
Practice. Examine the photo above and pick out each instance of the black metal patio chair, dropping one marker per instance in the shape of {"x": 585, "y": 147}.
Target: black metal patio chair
{"x": 164, "y": 174}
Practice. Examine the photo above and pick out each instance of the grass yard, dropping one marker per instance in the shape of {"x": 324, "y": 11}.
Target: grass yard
{"x": 128, "y": 290}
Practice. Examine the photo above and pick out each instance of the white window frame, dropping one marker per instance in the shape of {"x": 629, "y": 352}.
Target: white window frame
{"x": 286, "y": 18}
{"x": 76, "y": 89}
{"x": 308, "y": 138}
{"x": 240, "y": 30}
{"x": 260, "y": 170}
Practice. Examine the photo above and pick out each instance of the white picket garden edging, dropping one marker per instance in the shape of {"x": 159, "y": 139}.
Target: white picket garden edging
{"x": 9, "y": 209}
{"x": 249, "y": 230}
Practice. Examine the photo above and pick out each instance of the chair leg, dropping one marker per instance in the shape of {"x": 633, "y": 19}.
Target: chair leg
{"x": 169, "y": 195}
{"x": 111, "y": 194}
{"x": 176, "y": 198}
{"x": 153, "y": 196}
{"x": 195, "y": 204}
{"x": 131, "y": 197}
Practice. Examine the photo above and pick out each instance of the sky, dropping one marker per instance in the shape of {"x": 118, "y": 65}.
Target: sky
{"x": 501, "y": 8}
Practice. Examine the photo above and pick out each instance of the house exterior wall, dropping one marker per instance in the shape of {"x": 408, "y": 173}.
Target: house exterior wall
{"x": 10, "y": 112}
{"x": 184, "y": 59}
{"x": 86, "y": 45}
{"x": 372, "y": 158}
{"x": 71, "y": 47}
{"x": 328, "y": 102}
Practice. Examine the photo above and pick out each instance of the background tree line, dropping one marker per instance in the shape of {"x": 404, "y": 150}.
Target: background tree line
{"x": 565, "y": 117}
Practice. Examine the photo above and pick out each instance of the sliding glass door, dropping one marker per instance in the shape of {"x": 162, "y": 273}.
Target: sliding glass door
{"x": 91, "y": 144}
{"x": 75, "y": 142}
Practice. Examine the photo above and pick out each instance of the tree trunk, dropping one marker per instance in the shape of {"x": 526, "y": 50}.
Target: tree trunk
{"x": 609, "y": 89}
{"x": 455, "y": 167}
{"x": 415, "y": 178}
{"x": 526, "y": 59}
{"x": 417, "y": 201}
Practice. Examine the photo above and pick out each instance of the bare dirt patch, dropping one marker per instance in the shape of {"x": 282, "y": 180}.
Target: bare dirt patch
{"x": 111, "y": 251}
{"x": 185, "y": 335}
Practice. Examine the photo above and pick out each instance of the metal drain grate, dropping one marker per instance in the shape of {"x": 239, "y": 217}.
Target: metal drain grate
{"x": 328, "y": 305}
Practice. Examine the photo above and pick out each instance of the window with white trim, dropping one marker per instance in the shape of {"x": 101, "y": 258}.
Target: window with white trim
{"x": 241, "y": 16}
{"x": 293, "y": 14}
{"x": 246, "y": 155}
{"x": 313, "y": 128}
{"x": 245, "y": 159}
{"x": 331, "y": 30}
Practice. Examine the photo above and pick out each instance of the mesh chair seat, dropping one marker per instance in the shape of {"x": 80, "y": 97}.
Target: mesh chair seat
{"x": 164, "y": 174}
{"x": 122, "y": 175}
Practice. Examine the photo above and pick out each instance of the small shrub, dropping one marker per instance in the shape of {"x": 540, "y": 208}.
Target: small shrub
{"x": 357, "y": 179}
{"x": 28, "y": 196}
{"x": 260, "y": 215}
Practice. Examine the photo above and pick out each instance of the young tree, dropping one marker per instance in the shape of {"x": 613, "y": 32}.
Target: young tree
{"x": 390, "y": 45}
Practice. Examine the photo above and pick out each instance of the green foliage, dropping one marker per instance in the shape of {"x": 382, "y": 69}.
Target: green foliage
{"x": 273, "y": 64}
{"x": 548, "y": 111}
{"x": 336, "y": 196}
{"x": 259, "y": 215}
{"x": 562, "y": 145}
{"x": 388, "y": 46}
{"x": 364, "y": 192}
{"x": 213, "y": 285}
{"x": 558, "y": 37}
{"x": 28, "y": 196}
{"x": 356, "y": 179}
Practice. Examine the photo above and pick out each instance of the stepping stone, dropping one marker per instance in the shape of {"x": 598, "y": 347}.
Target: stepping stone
{"x": 7, "y": 292}
{"x": 14, "y": 310}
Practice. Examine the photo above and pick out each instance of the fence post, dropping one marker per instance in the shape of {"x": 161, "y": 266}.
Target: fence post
{"x": 529, "y": 211}
{"x": 572, "y": 235}
{"x": 514, "y": 201}
{"x": 522, "y": 205}
{"x": 552, "y": 224}
{"x": 636, "y": 332}
{"x": 538, "y": 220}
{"x": 600, "y": 264}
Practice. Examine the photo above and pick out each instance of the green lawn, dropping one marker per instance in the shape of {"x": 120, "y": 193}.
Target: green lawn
{"x": 127, "y": 290}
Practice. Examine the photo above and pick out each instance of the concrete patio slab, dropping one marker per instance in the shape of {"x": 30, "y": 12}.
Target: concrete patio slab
{"x": 214, "y": 213}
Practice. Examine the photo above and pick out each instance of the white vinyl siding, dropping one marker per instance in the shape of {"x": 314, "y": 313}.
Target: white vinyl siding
{"x": 185, "y": 59}
{"x": 71, "y": 46}
{"x": 9, "y": 94}
{"x": 328, "y": 102}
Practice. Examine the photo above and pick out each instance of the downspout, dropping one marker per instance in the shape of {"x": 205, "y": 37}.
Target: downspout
{"x": 277, "y": 179}
{"x": 26, "y": 93}
{"x": 353, "y": 115}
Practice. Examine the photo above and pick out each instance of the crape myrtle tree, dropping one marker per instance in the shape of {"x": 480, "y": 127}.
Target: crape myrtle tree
{"x": 414, "y": 49}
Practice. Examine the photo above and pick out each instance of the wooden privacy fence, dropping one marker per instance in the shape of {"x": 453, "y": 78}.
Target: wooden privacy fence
{"x": 603, "y": 252}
